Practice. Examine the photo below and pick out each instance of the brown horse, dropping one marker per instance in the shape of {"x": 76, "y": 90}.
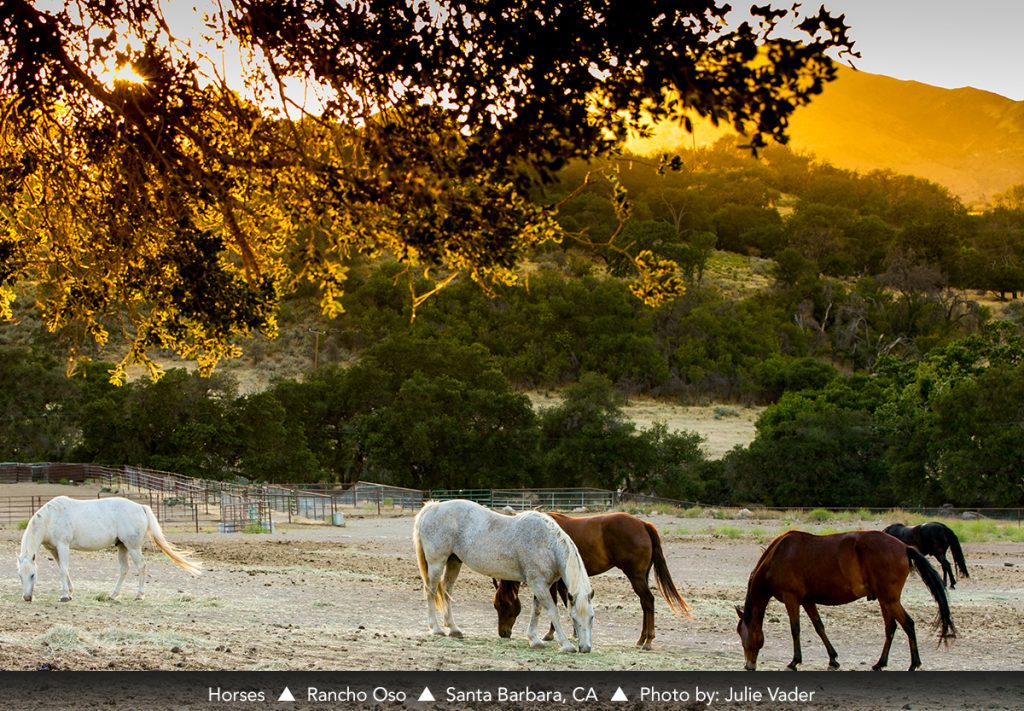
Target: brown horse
{"x": 801, "y": 569}
{"x": 606, "y": 541}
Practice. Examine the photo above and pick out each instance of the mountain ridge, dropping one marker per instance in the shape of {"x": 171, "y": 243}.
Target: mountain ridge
{"x": 969, "y": 140}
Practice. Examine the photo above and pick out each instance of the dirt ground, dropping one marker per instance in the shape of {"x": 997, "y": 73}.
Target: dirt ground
{"x": 349, "y": 598}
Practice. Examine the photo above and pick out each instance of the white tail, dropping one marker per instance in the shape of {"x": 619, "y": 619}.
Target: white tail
{"x": 180, "y": 557}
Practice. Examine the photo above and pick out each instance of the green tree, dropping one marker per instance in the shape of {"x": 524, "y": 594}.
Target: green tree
{"x": 38, "y": 420}
{"x": 184, "y": 206}
{"x": 271, "y": 446}
{"x": 587, "y": 439}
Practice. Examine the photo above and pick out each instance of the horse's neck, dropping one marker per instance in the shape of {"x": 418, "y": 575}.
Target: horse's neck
{"x": 758, "y": 588}
{"x": 33, "y": 536}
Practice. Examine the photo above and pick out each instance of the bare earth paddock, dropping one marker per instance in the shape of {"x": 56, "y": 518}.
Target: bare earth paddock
{"x": 349, "y": 598}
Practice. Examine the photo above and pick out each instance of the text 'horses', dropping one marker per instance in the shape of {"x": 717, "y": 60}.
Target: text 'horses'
{"x": 529, "y": 548}
{"x": 606, "y": 541}
{"x": 934, "y": 539}
{"x": 62, "y": 524}
{"x": 801, "y": 569}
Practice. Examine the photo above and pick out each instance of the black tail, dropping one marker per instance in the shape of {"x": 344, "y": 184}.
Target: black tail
{"x": 958, "y": 553}
{"x": 663, "y": 579}
{"x": 934, "y": 582}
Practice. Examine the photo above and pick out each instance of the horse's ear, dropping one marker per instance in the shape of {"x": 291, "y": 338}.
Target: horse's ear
{"x": 494, "y": 583}
{"x": 739, "y": 612}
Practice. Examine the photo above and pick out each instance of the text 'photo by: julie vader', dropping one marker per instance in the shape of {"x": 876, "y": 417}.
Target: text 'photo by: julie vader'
{"x": 469, "y": 355}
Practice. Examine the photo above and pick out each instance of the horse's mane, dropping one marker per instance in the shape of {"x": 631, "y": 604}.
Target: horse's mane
{"x": 31, "y": 539}
{"x": 757, "y": 574}
{"x": 575, "y": 577}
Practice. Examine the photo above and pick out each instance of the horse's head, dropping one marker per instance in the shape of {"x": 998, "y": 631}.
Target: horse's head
{"x": 581, "y": 610}
{"x": 27, "y": 572}
{"x": 506, "y": 602}
{"x": 752, "y": 636}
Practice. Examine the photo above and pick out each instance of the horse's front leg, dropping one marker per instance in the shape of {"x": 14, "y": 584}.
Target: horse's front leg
{"x": 63, "y": 561}
{"x": 812, "y": 612}
{"x": 532, "y": 631}
{"x": 542, "y": 601}
{"x": 793, "y": 609}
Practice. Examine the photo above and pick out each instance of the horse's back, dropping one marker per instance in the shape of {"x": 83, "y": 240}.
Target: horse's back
{"x": 93, "y": 524}
{"x": 835, "y": 569}
{"x": 608, "y": 540}
{"x": 499, "y": 546}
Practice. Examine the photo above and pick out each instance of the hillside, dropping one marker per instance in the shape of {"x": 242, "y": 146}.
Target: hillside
{"x": 970, "y": 141}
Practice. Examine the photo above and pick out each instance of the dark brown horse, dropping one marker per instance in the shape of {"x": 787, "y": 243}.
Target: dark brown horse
{"x": 606, "y": 541}
{"x": 801, "y": 569}
{"x": 934, "y": 539}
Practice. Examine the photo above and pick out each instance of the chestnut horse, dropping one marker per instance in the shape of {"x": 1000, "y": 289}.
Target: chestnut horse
{"x": 802, "y": 569}
{"x": 606, "y": 541}
{"x": 933, "y": 539}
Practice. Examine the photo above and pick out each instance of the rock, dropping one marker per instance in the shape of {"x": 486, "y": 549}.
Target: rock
{"x": 970, "y": 515}
{"x": 745, "y": 513}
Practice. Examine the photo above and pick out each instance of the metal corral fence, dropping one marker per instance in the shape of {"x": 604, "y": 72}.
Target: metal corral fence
{"x": 325, "y": 504}
{"x": 245, "y": 512}
{"x": 524, "y": 499}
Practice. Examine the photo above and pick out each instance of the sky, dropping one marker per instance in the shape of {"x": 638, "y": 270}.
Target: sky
{"x": 947, "y": 43}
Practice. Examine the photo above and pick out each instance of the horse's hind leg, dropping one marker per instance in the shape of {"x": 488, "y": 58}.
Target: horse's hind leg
{"x": 451, "y": 574}
{"x": 122, "y": 559}
{"x": 430, "y": 592}
{"x": 892, "y": 613}
{"x": 812, "y": 612}
{"x": 643, "y": 590}
{"x": 140, "y": 566}
{"x": 907, "y": 623}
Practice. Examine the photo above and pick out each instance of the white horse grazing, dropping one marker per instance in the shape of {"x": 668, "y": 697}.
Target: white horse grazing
{"x": 530, "y": 548}
{"x": 63, "y": 523}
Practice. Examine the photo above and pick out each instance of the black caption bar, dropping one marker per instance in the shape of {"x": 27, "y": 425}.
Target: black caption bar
{"x": 430, "y": 691}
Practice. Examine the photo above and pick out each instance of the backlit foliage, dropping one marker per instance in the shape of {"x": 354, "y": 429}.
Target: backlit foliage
{"x": 177, "y": 210}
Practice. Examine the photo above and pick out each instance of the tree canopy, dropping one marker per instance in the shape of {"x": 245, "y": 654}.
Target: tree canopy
{"x": 179, "y": 207}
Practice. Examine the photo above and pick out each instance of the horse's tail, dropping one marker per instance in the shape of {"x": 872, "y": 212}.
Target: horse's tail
{"x": 662, "y": 577}
{"x": 958, "y": 552}
{"x": 180, "y": 557}
{"x": 440, "y": 601}
{"x": 934, "y": 582}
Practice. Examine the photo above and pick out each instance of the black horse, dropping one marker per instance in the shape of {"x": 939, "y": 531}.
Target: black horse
{"x": 933, "y": 539}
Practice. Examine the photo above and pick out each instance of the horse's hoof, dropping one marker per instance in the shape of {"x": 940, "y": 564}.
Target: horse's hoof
{"x": 792, "y": 666}
{"x": 567, "y": 647}
{"x": 647, "y": 646}
{"x": 880, "y": 667}
{"x": 440, "y": 632}
{"x": 455, "y": 633}
{"x": 833, "y": 664}
{"x": 537, "y": 644}
{"x": 65, "y": 599}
